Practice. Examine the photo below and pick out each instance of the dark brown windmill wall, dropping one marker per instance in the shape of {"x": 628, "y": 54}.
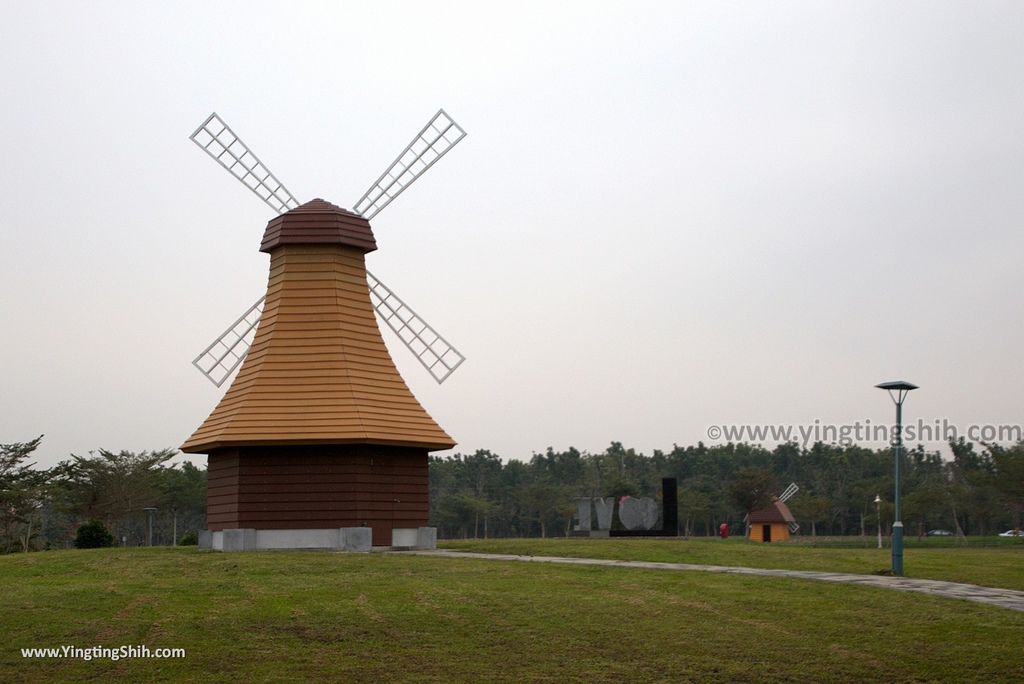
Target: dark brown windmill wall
{"x": 318, "y": 487}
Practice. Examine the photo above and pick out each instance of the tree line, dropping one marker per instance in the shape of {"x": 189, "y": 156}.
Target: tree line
{"x": 44, "y": 508}
{"x": 974, "y": 493}
{"x": 977, "y": 492}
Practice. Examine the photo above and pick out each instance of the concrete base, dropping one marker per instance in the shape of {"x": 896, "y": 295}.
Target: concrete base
{"x": 426, "y": 538}
{"x": 359, "y": 539}
{"x": 403, "y": 538}
{"x": 420, "y": 538}
{"x": 237, "y": 540}
{"x": 356, "y": 539}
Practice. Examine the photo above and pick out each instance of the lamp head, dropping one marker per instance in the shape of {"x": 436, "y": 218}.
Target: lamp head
{"x": 900, "y": 387}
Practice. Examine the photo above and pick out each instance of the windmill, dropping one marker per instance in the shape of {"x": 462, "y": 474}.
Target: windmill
{"x": 434, "y": 140}
{"x": 318, "y": 436}
{"x": 775, "y": 521}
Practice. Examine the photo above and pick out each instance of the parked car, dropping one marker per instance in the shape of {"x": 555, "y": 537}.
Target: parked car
{"x": 939, "y": 533}
{"x": 1011, "y": 533}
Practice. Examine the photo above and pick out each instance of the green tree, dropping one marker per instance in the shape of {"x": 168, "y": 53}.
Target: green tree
{"x": 753, "y": 488}
{"x": 693, "y": 505}
{"x": 93, "y": 535}
{"x": 543, "y": 502}
{"x": 458, "y": 512}
{"x": 1009, "y": 478}
{"x": 482, "y": 471}
{"x": 926, "y": 504}
{"x": 182, "y": 501}
{"x": 812, "y": 509}
{"x": 22, "y": 494}
{"x": 976, "y": 501}
{"x": 115, "y": 487}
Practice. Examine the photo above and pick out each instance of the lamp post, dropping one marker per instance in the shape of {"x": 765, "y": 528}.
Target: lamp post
{"x": 878, "y": 516}
{"x": 149, "y": 536}
{"x": 898, "y": 391}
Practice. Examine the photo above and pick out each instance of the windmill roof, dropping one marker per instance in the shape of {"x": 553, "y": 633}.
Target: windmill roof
{"x": 776, "y": 511}
{"x": 318, "y": 371}
{"x": 318, "y": 222}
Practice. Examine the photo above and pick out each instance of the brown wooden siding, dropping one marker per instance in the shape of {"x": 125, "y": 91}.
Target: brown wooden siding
{"x": 318, "y": 371}
{"x": 318, "y": 487}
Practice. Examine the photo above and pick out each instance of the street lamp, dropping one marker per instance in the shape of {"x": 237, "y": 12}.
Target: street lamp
{"x": 897, "y": 392}
{"x": 149, "y": 538}
{"x": 878, "y": 516}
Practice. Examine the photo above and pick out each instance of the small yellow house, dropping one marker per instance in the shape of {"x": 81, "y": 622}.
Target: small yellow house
{"x": 771, "y": 523}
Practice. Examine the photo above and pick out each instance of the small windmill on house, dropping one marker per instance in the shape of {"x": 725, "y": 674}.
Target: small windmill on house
{"x": 318, "y": 442}
{"x": 774, "y": 522}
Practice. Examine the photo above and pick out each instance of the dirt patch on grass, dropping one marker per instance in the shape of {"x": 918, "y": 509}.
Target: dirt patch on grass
{"x": 367, "y": 610}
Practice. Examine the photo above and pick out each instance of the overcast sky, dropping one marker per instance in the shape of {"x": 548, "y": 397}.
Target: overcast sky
{"x": 665, "y": 215}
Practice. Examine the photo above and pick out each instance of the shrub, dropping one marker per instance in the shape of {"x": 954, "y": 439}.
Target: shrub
{"x": 93, "y": 535}
{"x": 189, "y": 539}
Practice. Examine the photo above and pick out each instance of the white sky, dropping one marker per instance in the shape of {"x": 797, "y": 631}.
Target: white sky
{"x": 665, "y": 215}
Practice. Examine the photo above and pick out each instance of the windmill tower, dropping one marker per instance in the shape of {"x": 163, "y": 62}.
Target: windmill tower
{"x": 318, "y": 442}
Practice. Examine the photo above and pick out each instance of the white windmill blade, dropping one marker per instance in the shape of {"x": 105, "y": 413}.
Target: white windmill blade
{"x": 224, "y": 354}
{"x": 793, "y": 527}
{"x": 789, "y": 492}
{"x": 218, "y": 140}
{"x": 436, "y": 354}
{"x": 439, "y": 136}
{"x": 227, "y": 352}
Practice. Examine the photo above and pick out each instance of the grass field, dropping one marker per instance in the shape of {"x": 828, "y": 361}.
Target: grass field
{"x": 306, "y": 616}
{"x": 993, "y": 566}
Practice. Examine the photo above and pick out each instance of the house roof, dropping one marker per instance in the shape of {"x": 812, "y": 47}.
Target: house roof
{"x": 319, "y": 222}
{"x": 775, "y": 512}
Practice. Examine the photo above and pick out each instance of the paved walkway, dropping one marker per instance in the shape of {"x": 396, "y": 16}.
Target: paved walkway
{"x": 1005, "y": 598}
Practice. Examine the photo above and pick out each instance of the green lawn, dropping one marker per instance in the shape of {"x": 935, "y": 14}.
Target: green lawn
{"x": 999, "y": 566}
{"x": 306, "y": 616}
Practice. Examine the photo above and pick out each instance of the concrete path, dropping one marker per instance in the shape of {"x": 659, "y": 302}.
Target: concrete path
{"x": 1004, "y": 598}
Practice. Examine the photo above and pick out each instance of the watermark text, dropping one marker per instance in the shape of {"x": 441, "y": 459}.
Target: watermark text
{"x": 127, "y": 652}
{"x": 848, "y": 434}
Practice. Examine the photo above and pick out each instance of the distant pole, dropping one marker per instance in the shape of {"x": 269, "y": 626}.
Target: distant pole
{"x": 901, "y": 390}
{"x": 149, "y": 536}
{"x": 878, "y": 516}
{"x": 175, "y": 537}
